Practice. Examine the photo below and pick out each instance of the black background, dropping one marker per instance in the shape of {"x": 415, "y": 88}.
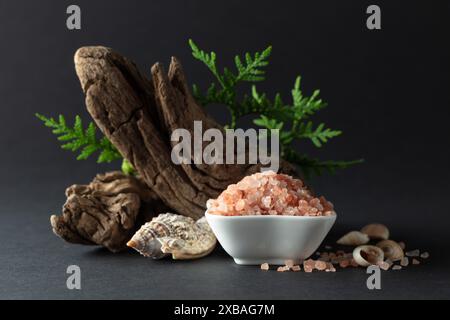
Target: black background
{"x": 387, "y": 90}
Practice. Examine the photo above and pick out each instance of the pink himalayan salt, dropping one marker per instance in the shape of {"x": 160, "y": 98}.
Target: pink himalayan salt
{"x": 296, "y": 268}
{"x": 269, "y": 193}
{"x": 320, "y": 265}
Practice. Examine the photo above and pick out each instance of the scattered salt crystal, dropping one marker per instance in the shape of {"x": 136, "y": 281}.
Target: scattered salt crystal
{"x": 425, "y": 255}
{"x": 328, "y": 247}
{"x": 404, "y": 262}
{"x": 320, "y": 265}
{"x": 282, "y": 269}
{"x": 309, "y": 262}
{"x": 265, "y": 266}
{"x": 296, "y": 268}
{"x": 307, "y": 268}
{"x": 384, "y": 265}
{"x": 413, "y": 253}
{"x": 397, "y": 267}
{"x": 415, "y": 261}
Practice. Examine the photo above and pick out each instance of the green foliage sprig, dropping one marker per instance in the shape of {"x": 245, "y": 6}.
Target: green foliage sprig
{"x": 292, "y": 120}
{"x": 77, "y": 138}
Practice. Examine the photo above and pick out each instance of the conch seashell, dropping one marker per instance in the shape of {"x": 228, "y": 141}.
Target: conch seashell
{"x": 368, "y": 255}
{"x": 376, "y": 231}
{"x": 353, "y": 238}
{"x": 176, "y": 235}
{"x": 392, "y": 250}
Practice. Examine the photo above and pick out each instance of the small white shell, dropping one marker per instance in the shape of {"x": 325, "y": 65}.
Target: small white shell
{"x": 368, "y": 255}
{"x": 174, "y": 234}
{"x": 392, "y": 250}
{"x": 376, "y": 231}
{"x": 353, "y": 238}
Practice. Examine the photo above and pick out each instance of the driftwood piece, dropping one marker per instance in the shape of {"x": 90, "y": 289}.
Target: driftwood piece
{"x": 138, "y": 115}
{"x": 106, "y": 212}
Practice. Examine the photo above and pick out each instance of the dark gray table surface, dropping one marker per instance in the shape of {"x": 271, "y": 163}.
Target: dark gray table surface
{"x": 34, "y": 261}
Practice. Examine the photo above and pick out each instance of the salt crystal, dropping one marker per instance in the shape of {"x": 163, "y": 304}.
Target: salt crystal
{"x": 265, "y": 266}
{"x": 282, "y": 269}
{"x": 266, "y": 201}
{"x": 296, "y": 268}
{"x": 425, "y": 255}
{"x": 328, "y": 247}
{"x": 384, "y": 265}
{"x": 415, "y": 261}
{"x": 397, "y": 267}
{"x": 240, "y": 205}
{"x": 309, "y": 262}
{"x": 307, "y": 268}
{"x": 413, "y": 253}
{"x": 320, "y": 265}
{"x": 269, "y": 193}
{"x": 404, "y": 262}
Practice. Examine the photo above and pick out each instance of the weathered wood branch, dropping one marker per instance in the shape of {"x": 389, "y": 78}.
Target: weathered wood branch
{"x": 107, "y": 211}
{"x": 138, "y": 115}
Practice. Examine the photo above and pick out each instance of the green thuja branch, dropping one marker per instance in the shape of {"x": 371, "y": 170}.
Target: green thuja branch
{"x": 84, "y": 140}
{"x": 312, "y": 166}
{"x": 292, "y": 120}
{"x": 248, "y": 69}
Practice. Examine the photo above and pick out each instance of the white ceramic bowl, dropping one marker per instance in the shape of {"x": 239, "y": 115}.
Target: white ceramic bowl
{"x": 271, "y": 239}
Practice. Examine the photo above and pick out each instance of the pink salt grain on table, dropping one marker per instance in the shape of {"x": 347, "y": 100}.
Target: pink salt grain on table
{"x": 265, "y": 266}
{"x": 269, "y": 193}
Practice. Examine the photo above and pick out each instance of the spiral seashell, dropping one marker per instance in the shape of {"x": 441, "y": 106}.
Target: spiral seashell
{"x": 376, "y": 231}
{"x": 353, "y": 238}
{"x": 368, "y": 255}
{"x": 392, "y": 250}
{"x": 176, "y": 235}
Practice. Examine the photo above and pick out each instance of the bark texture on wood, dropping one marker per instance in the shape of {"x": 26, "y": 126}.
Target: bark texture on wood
{"x": 139, "y": 114}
